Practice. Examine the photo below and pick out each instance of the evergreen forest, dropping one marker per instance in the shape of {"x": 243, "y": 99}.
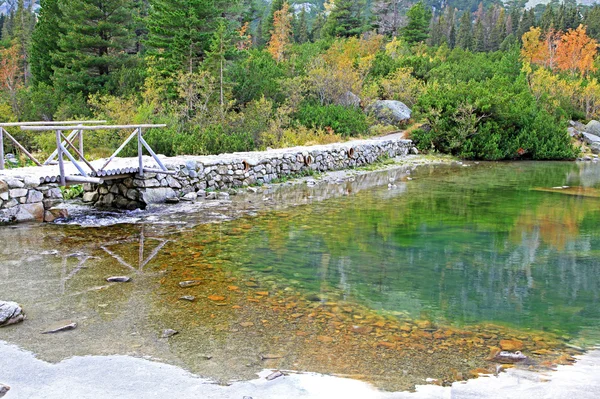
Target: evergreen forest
{"x": 485, "y": 80}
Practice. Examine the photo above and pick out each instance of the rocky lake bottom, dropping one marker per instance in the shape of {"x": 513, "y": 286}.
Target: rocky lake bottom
{"x": 399, "y": 278}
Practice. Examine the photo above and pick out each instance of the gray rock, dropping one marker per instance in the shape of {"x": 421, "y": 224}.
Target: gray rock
{"x": 119, "y": 279}
{"x": 3, "y": 187}
{"x": 274, "y": 375}
{"x": 593, "y": 127}
{"x": 34, "y": 196}
{"x": 350, "y": 99}
{"x": 190, "y": 196}
{"x": 156, "y": 195}
{"x": 10, "y": 313}
{"x": 189, "y": 298}
{"x": 90, "y": 197}
{"x": 4, "y": 389}
{"x": 190, "y": 283}
{"x": 18, "y": 192}
{"x": 14, "y": 183}
{"x": 223, "y": 196}
{"x": 172, "y": 200}
{"x": 168, "y": 333}
{"x": 390, "y": 112}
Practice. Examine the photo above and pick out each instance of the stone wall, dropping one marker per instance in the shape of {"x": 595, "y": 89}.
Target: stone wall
{"x": 24, "y": 199}
{"x": 212, "y": 177}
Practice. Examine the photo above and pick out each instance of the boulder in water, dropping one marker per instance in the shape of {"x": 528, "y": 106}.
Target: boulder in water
{"x": 10, "y": 313}
{"x": 391, "y": 112}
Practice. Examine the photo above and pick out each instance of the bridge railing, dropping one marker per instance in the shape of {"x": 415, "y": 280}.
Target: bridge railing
{"x": 94, "y": 175}
{"x": 4, "y": 133}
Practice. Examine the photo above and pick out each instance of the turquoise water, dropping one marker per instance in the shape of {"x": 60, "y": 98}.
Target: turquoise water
{"x": 477, "y": 244}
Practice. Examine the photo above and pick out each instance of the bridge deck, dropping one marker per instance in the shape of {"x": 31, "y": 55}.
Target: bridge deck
{"x": 130, "y": 166}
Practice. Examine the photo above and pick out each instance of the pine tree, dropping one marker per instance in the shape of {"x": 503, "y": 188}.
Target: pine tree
{"x": 216, "y": 56}
{"x": 301, "y": 33}
{"x": 345, "y": 19}
{"x": 498, "y": 32}
{"x": 317, "y": 27}
{"x": 44, "y": 42}
{"x": 464, "y": 38}
{"x": 417, "y": 29}
{"x": 180, "y": 33}
{"x": 479, "y": 42}
{"x": 547, "y": 20}
{"x": 94, "y": 43}
{"x": 19, "y": 30}
{"x": 527, "y": 22}
{"x": 592, "y": 21}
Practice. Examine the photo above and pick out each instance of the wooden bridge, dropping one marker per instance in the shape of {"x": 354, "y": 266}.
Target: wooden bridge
{"x": 33, "y": 193}
{"x": 68, "y": 164}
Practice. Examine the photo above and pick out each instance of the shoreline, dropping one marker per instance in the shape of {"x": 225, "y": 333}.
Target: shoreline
{"x": 128, "y": 377}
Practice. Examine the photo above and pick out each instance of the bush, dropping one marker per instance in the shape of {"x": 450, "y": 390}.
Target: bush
{"x": 492, "y": 120}
{"x": 345, "y": 121}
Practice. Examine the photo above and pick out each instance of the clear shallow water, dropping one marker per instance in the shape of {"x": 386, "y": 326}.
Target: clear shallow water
{"x": 389, "y": 285}
{"x": 481, "y": 244}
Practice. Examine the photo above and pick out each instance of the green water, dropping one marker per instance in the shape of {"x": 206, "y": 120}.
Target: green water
{"x": 464, "y": 246}
{"x": 389, "y": 284}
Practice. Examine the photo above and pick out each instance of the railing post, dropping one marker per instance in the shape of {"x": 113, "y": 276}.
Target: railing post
{"x": 1, "y": 148}
{"x": 140, "y": 146}
{"x": 81, "y": 145}
{"x": 61, "y": 163}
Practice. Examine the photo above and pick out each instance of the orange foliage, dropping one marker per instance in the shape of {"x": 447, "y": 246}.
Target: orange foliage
{"x": 9, "y": 68}
{"x": 576, "y": 51}
{"x": 245, "y": 40}
{"x": 281, "y": 33}
{"x": 573, "y": 51}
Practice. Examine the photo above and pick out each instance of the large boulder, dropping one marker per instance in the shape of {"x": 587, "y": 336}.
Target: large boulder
{"x": 593, "y": 128}
{"x": 593, "y": 142}
{"x": 391, "y": 112}
{"x": 350, "y": 99}
{"x": 10, "y": 313}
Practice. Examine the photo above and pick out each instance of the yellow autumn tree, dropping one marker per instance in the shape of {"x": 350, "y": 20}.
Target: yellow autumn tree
{"x": 281, "y": 33}
{"x": 534, "y": 49}
{"x": 575, "y": 52}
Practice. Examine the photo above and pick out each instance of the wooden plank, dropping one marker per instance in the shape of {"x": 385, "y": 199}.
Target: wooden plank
{"x": 22, "y": 148}
{"x": 164, "y": 172}
{"x": 81, "y": 179}
{"x": 119, "y": 149}
{"x": 1, "y": 148}
{"x": 163, "y": 167}
{"x": 61, "y": 161}
{"x": 79, "y": 154}
{"x": 73, "y": 161}
{"x": 50, "y": 123}
{"x": 101, "y": 127}
{"x": 53, "y": 155}
{"x": 140, "y": 156}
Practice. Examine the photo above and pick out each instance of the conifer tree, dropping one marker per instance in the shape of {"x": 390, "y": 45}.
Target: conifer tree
{"x": 464, "y": 39}
{"x": 345, "y": 19}
{"x": 180, "y": 33}
{"x": 547, "y": 19}
{"x": 301, "y": 33}
{"x": 44, "y": 42}
{"x": 94, "y": 43}
{"x": 417, "y": 29}
{"x": 479, "y": 42}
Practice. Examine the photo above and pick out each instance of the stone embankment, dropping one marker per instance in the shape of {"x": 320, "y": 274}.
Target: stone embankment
{"x": 25, "y": 198}
{"x": 213, "y": 176}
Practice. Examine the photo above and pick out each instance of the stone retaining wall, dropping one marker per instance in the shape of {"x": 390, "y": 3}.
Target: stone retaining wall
{"x": 212, "y": 177}
{"x": 24, "y": 199}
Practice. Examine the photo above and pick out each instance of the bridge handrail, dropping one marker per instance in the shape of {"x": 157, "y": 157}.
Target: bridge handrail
{"x": 49, "y": 123}
{"x": 100, "y": 127}
{"x": 63, "y": 143}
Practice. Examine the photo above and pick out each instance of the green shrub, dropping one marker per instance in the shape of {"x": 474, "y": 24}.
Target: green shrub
{"x": 345, "y": 121}
{"x": 493, "y": 119}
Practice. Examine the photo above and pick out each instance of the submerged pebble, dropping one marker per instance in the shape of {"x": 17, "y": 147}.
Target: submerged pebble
{"x": 168, "y": 333}
{"x": 118, "y": 279}
{"x": 61, "y": 326}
